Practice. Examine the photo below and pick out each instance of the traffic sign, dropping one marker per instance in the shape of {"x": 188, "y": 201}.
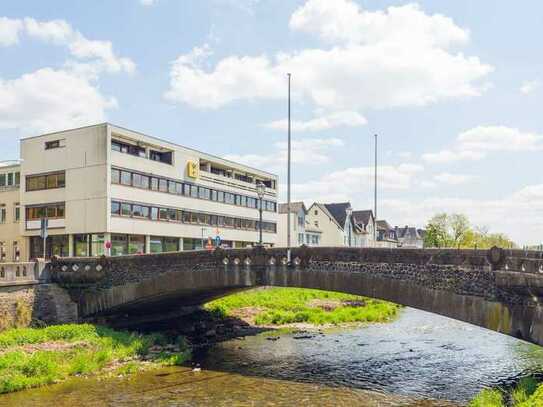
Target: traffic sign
{"x": 217, "y": 241}
{"x": 43, "y": 228}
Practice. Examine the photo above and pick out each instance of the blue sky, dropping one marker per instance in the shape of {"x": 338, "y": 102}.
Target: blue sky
{"x": 454, "y": 90}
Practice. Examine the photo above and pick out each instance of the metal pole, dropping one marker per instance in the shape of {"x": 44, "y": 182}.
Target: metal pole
{"x": 375, "y": 194}
{"x": 260, "y": 224}
{"x": 288, "y": 174}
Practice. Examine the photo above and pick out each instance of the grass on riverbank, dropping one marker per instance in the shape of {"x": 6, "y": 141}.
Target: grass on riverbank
{"x": 281, "y": 306}
{"x": 528, "y": 393}
{"x": 31, "y": 357}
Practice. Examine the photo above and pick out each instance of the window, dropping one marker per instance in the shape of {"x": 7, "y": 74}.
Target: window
{"x": 127, "y": 148}
{"x": 136, "y": 244}
{"x": 179, "y": 188}
{"x": 126, "y": 178}
{"x": 2, "y": 213}
{"x": 3, "y": 251}
{"x": 97, "y": 245}
{"x": 52, "y": 211}
{"x": 300, "y": 238}
{"x": 163, "y": 185}
{"x": 171, "y": 187}
{"x": 81, "y": 245}
{"x": 194, "y": 191}
{"x": 126, "y": 209}
{"x": 119, "y": 245}
{"x": 220, "y": 196}
{"x": 163, "y": 214}
{"x": 163, "y": 157}
{"x": 204, "y": 193}
{"x": 172, "y": 215}
{"x": 47, "y": 181}
{"x": 49, "y": 145}
{"x": 154, "y": 213}
{"x": 16, "y": 212}
{"x": 154, "y": 184}
{"x": 115, "y": 208}
{"x": 137, "y": 211}
{"x": 115, "y": 176}
{"x": 2, "y": 180}
{"x": 10, "y": 179}
{"x": 17, "y": 178}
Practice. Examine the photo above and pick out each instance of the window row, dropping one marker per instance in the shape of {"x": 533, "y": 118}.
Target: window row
{"x": 138, "y": 151}
{"x": 10, "y": 179}
{"x": 137, "y": 180}
{"x": 176, "y": 215}
{"x": 52, "y": 211}
{"x": 16, "y": 213}
{"x": 47, "y": 181}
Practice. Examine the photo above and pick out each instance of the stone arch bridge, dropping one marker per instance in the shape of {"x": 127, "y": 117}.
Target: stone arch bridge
{"x": 497, "y": 289}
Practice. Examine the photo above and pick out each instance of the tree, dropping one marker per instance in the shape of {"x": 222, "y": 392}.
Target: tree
{"x": 454, "y": 230}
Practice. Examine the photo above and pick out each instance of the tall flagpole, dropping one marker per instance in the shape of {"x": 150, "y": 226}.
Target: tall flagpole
{"x": 375, "y": 194}
{"x": 288, "y": 175}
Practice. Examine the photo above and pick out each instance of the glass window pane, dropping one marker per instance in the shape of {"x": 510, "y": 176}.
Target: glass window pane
{"x": 144, "y": 182}
{"x": 52, "y": 181}
{"x": 145, "y": 211}
{"x": 163, "y": 185}
{"x": 81, "y": 246}
{"x": 179, "y": 188}
{"x": 115, "y": 208}
{"x": 115, "y": 176}
{"x": 154, "y": 184}
{"x": 126, "y": 178}
{"x": 171, "y": 187}
{"x": 163, "y": 214}
{"x": 126, "y": 209}
{"x": 136, "y": 210}
{"x": 154, "y": 213}
{"x": 172, "y": 214}
{"x": 136, "y": 244}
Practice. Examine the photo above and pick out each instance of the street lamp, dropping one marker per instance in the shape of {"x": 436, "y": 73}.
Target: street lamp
{"x": 260, "y": 190}
{"x": 349, "y": 212}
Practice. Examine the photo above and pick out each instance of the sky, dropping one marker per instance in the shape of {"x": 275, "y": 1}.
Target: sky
{"x": 453, "y": 89}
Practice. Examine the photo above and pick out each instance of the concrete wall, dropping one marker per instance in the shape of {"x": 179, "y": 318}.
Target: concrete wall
{"x": 10, "y": 231}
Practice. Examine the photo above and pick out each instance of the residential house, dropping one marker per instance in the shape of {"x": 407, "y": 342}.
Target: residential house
{"x": 365, "y": 221}
{"x": 386, "y": 235}
{"x": 331, "y": 227}
{"x": 410, "y": 237}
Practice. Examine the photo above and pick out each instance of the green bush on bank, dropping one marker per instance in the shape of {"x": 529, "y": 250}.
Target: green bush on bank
{"x": 279, "y": 306}
{"x": 31, "y": 357}
{"x": 528, "y": 393}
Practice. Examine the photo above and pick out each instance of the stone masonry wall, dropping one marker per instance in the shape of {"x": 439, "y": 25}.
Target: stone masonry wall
{"x": 35, "y": 304}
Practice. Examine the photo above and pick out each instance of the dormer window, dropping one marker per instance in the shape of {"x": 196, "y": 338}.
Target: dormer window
{"x": 49, "y": 145}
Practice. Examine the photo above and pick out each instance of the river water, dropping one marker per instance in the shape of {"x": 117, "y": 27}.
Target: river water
{"x": 421, "y": 359}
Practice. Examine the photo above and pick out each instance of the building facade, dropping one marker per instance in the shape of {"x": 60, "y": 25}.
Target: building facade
{"x": 410, "y": 237}
{"x": 302, "y": 232}
{"x": 109, "y": 190}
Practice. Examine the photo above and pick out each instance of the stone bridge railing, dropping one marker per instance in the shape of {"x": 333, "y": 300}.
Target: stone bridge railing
{"x": 22, "y": 273}
{"x": 112, "y": 271}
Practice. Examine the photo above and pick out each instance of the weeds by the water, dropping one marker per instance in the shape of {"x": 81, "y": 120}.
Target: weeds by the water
{"x": 31, "y": 357}
{"x": 280, "y": 306}
{"x": 527, "y": 393}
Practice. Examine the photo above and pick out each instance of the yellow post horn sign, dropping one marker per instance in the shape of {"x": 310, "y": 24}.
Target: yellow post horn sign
{"x": 193, "y": 169}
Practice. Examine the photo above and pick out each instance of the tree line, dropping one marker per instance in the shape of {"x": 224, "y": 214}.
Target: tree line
{"x": 455, "y": 230}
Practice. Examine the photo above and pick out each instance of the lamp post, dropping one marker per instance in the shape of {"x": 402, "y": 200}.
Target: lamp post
{"x": 349, "y": 212}
{"x": 260, "y": 190}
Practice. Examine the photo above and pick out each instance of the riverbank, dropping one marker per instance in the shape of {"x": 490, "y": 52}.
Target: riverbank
{"x": 528, "y": 393}
{"x": 301, "y": 308}
{"x": 32, "y": 357}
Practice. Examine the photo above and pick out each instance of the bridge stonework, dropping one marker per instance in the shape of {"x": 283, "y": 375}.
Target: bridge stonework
{"x": 496, "y": 289}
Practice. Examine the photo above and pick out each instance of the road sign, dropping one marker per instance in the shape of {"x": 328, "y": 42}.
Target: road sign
{"x": 217, "y": 241}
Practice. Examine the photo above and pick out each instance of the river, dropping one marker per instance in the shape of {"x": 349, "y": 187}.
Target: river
{"x": 420, "y": 359}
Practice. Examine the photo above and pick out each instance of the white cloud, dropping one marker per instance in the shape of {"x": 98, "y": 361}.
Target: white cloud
{"x": 393, "y": 68}
{"x": 59, "y": 32}
{"x": 325, "y": 122}
{"x": 499, "y": 138}
{"x": 345, "y": 22}
{"x": 453, "y": 179}
{"x": 356, "y": 182}
{"x": 476, "y": 143}
{"x": 447, "y": 156}
{"x": 49, "y": 99}
{"x": 529, "y": 87}
{"x": 305, "y": 151}
{"x": 9, "y": 31}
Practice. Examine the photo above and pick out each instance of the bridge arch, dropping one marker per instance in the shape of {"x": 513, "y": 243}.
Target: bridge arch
{"x": 479, "y": 287}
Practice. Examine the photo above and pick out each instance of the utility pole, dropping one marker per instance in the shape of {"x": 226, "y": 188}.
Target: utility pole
{"x": 375, "y": 194}
{"x": 288, "y": 174}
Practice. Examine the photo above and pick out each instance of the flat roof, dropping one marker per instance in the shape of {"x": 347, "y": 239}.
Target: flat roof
{"x": 10, "y": 163}
{"x": 154, "y": 138}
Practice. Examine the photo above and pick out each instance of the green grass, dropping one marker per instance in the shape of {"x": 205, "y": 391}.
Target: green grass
{"x": 527, "y": 393}
{"x": 280, "y": 306}
{"x": 87, "y": 349}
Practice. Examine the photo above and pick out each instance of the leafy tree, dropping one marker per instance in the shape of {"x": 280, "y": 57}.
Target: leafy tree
{"x": 455, "y": 230}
